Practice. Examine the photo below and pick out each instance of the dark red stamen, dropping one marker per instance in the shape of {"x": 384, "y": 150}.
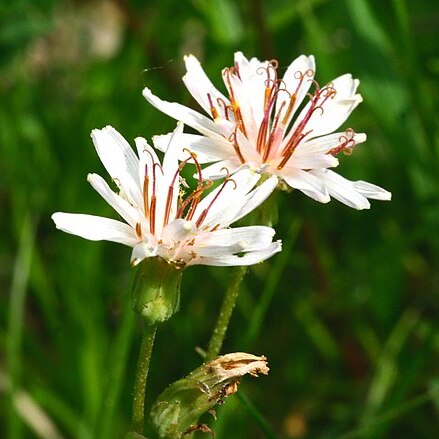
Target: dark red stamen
{"x": 347, "y": 143}
{"x": 139, "y": 230}
{"x": 145, "y": 193}
{"x": 234, "y": 104}
{"x": 226, "y": 108}
{"x": 152, "y": 208}
{"x": 234, "y": 140}
{"x": 213, "y": 110}
{"x": 203, "y": 215}
{"x": 299, "y": 134}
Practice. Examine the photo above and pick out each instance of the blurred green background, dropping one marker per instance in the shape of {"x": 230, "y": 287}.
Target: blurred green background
{"x": 347, "y": 314}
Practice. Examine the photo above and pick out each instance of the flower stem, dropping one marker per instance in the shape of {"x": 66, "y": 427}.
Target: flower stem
{"x": 141, "y": 376}
{"x": 227, "y": 306}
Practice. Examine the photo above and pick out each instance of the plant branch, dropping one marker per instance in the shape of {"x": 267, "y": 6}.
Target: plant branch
{"x": 141, "y": 376}
{"x": 227, "y": 307}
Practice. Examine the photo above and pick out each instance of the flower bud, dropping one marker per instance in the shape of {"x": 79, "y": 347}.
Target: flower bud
{"x": 156, "y": 291}
{"x": 179, "y": 407}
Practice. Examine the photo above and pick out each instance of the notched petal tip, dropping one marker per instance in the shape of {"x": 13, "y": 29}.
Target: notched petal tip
{"x": 239, "y": 56}
{"x": 147, "y": 93}
{"x": 142, "y": 251}
{"x": 135, "y": 262}
{"x": 140, "y": 140}
{"x": 363, "y": 206}
{"x": 106, "y": 129}
{"x": 325, "y": 200}
{"x": 358, "y": 98}
{"x": 55, "y": 218}
{"x": 180, "y": 126}
{"x": 372, "y": 191}
{"x": 190, "y": 56}
{"x": 190, "y": 62}
{"x": 360, "y": 138}
{"x": 91, "y": 176}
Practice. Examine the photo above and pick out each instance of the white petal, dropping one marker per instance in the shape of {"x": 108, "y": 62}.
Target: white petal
{"x": 220, "y": 198}
{"x": 306, "y": 183}
{"x": 149, "y": 164}
{"x": 342, "y": 189}
{"x": 335, "y": 110}
{"x": 346, "y": 86}
{"x": 168, "y": 183}
{"x": 291, "y": 84}
{"x": 207, "y": 149}
{"x": 247, "y": 148}
{"x": 334, "y": 115}
{"x": 247, "y": 84}
{"x": 249, "y": 97}
{"x": 221, "y": 169}
{"x": 121, "y": 206}
{"x": 142, "y": 251}
{"x": 178, "y": 230}
{"x": 326, "y": 143}
{"x": 179, "y": 112}
{"x": 170, "y": 159}
{"x": 250, "y": 71}
{"x": 238, "y": 207}
{"x": 224, "y": 242}
{"x": 119, "y": 160}
{"x": 311, "y": 161}
{"x": 249, "y": 258}
{"x": 245, "y": 68}
{"x": 372, "y": 191}
{"x": 226, "y": 127}
{"x": 144, "y": 149}
{"x": 95, "y": 228}
{"x": 200, "y": 86}
{"x": 161, "y": 141}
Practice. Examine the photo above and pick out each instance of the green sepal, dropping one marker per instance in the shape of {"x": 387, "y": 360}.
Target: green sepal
{"x": 156, "y": 290}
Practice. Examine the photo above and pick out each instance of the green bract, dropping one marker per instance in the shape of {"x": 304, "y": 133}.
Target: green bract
{"x": 156, "y": 291}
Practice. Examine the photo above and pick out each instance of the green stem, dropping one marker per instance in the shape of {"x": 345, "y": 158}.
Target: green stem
{"x": 227, "y": 306}
{"x": 264, "y": 214}
{"x": 141, "y": 376}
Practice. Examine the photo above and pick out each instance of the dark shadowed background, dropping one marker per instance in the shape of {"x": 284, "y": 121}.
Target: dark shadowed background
{"x": 347, "y": 314}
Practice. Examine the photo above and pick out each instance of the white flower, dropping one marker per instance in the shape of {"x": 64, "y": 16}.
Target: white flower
{"x": 263, "y": 125}
{"x": 160, "y": 220}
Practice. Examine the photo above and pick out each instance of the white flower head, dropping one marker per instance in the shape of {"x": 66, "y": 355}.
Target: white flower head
{"x": 263, "y": 124}
{"x": 160, "y": 220}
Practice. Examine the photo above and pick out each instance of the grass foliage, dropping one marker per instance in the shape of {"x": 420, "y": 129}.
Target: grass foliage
{"x": 347, "y": 314}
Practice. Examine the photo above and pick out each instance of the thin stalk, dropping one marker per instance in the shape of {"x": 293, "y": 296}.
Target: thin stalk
{"x": 227, "y": 307}
{"x": 141, "y": 376}
{"x": 265, "y": 214}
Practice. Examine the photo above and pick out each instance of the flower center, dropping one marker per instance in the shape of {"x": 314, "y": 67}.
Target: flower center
{"x": 186, "y": 205}
{"x": 276, "y": 139}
